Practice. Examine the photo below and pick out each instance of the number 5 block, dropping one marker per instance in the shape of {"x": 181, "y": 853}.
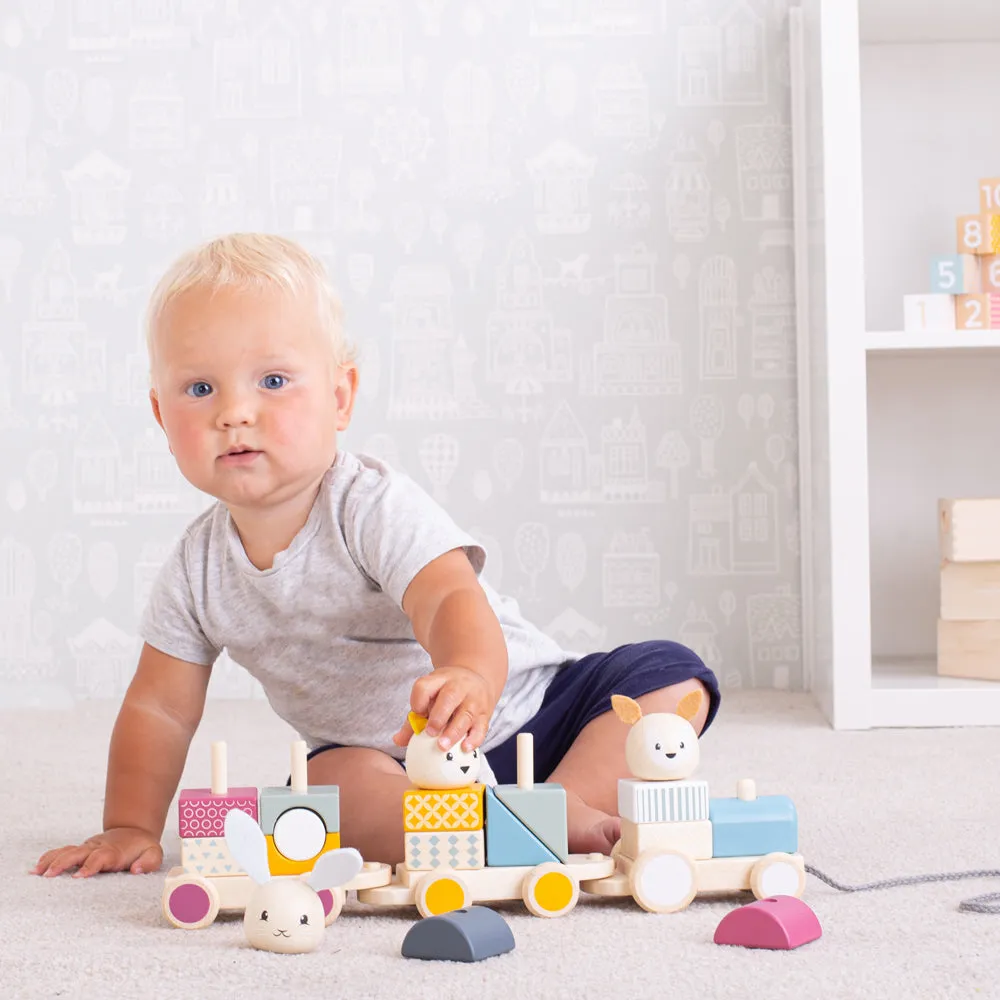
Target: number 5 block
{"x": 978, "y": 234}
{"x": 956, "y": 274}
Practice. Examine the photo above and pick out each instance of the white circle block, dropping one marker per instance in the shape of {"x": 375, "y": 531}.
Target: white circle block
{"x": 299, "y": 834}
{"x": 666, "y": 880}
{"x": 780, "y": 878}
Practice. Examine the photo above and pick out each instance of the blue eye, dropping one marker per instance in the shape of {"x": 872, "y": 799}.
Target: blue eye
{"x": 195, "y": 389}
{"x": 269, "y": 384}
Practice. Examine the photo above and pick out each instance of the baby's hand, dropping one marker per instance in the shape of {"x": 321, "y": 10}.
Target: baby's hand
{"x": 456, "y": 702}
{"x": 119, "y": 850}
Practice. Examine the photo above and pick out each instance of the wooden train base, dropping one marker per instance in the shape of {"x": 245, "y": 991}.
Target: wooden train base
{"x": 192, "y": 901}
{"x": 549, "y": 890}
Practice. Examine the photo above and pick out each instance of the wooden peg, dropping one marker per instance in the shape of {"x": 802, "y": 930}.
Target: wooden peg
{"x": 220, "y": 779}
{"x": 299, "y": 781}
{"x": 525, "y": 760}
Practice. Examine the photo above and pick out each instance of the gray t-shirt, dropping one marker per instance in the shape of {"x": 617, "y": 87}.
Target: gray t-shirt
{"x": 323, "y": 629}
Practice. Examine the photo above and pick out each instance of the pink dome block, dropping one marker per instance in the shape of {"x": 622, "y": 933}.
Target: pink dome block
{"x": 780, "y": 922}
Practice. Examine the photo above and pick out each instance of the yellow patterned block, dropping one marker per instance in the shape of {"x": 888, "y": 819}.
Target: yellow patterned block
{"x": 280, "y": 865}
{"x": 432, "y": 810}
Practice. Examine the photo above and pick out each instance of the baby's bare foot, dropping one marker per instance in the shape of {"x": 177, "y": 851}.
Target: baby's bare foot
{"x": 588, "y": 829}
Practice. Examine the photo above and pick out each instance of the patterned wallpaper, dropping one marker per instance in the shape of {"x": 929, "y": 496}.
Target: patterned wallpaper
{"x": 562, "y": 231}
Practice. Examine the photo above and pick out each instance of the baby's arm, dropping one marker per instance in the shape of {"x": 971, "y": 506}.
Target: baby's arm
{"x": 149, "y": 744}
{"x": 452, "y": 619}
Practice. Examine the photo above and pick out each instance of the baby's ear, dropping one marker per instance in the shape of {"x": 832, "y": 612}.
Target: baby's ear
{"x": 417, "y": 722}
{"x": 629, "y": 711}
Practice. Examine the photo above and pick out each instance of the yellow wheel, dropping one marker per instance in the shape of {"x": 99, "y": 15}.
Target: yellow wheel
{"x": 439, "y": 894}
{"x": 778, "y": 874}
{"x": 549, "y": 890}
{"x": 663, "y": 881}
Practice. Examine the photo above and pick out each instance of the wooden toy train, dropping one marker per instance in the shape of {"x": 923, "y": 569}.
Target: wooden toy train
{"x": 467, "y": 842}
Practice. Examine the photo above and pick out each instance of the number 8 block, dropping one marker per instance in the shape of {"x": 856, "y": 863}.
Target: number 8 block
{"x": 978, "y": 234}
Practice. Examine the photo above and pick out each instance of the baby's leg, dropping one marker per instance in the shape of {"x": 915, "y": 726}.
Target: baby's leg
{"x": 371, "y": 799}
{"x": 593, "y": 764}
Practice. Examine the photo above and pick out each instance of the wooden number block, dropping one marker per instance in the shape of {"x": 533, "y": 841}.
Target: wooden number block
{"x": 970, "y": 591}
{"x": 926, "y": 313}
{"x": 956, "y": 273}
{"x": 989, "y": 195}
{"x": 428, "y": 810}
{"x": 969, "y": 649}
{"x": 456, "y": 850}
{"x": 977, "y": 312}
{"x": 202, "y": 814}
{"x": 969, "y": 529}
{"x": 978, "y": 234}
{"x": 989, "y": 273}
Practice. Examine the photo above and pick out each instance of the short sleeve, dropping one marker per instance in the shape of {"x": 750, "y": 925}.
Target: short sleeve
{"x": 394, "y": 529}
{"x": 169, "y": 621}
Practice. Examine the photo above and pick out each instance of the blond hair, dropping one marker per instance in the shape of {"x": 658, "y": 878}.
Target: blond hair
{"x": 253, "y": 262}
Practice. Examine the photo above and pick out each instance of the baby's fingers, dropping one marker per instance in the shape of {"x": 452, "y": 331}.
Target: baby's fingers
{"x": 149, "y": 861}
{"x": 101, "y": 859}
{"x": 57, "y": 861}
{"x": 476, "y": 734}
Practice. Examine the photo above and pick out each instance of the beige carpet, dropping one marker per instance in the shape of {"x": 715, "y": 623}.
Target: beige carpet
{"x": 871, "y": 805}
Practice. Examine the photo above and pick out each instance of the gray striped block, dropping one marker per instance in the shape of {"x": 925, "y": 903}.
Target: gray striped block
{"x": 662, "y": 801}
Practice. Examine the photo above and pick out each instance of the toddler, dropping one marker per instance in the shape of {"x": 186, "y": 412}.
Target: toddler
{"x": 338, "y": 583}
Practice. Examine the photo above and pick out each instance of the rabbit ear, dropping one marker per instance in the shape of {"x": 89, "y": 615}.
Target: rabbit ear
{"x": 247, "y": 845}
{"x": 335, "y": 868}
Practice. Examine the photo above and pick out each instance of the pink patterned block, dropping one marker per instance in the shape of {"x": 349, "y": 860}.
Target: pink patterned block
{"x": 202, "y": 814}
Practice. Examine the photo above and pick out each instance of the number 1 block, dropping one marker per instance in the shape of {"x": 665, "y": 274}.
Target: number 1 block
{"x": 978, "y": 234}
{"x": 925, "y": 313}
{"x": 956, "y": 274}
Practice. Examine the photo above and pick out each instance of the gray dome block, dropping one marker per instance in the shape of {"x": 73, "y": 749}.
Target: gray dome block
{"x": 467, "y": 935}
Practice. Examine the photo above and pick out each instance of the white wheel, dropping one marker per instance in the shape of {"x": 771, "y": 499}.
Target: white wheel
{"x": 778, "y": 874}
{"x": 663, "y": 881}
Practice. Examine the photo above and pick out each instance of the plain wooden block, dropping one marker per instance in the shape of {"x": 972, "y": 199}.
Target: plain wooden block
{"x": 977, "y": 312}
{"x": 693, "y": 838}
{"x": 929, "y": 312}
{"x": 989, "y": 195}
{"x": 978, "y": 234}
{"x": 956, "y": 274}
{"x": 969, "y": 649}
{"x": 969, "y": 529}
{"x": 970, "y": 591}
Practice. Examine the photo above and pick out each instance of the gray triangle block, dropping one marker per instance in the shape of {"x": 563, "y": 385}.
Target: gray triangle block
{"x": 467, "y": 935}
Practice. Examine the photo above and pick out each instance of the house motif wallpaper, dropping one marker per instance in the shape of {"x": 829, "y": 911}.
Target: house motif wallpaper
{"x": 562, "y": 233}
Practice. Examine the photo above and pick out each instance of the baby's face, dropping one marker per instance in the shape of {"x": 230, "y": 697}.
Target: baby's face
{"x": 248, "y": 370}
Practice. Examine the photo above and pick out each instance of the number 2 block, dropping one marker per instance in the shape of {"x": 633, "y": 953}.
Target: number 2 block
{"x": 977, "y": 312}
{"x": 923, "y": 313}
{"x": 978, "y": 234}
{"x": 956, "y": 273}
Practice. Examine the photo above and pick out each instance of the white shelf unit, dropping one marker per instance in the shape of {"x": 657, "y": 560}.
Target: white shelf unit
{"x": 891, "y": 107}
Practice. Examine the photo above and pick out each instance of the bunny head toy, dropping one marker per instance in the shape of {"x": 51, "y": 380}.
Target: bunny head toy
{"x": 428, "y": 766}
{"x": 285, "y": 914}
{"x": 661, "y": 746}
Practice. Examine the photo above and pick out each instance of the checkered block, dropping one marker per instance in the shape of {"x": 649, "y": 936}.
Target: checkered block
{"x": 454, "y": 849}
{"x": 202, "y": 814}
{"x": 433, "y": 810}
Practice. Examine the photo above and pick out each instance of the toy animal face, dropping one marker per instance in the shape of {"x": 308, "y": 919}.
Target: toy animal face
{"x": 662, "y": 746}
{"x": 286, "y": 917}
{"x": 428, "y": 766}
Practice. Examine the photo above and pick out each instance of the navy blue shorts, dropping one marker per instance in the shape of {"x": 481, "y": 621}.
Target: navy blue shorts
{"x": 582, "y": 690}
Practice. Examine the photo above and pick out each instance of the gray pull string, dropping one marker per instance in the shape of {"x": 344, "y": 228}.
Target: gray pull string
{"x": 987, "y": 903}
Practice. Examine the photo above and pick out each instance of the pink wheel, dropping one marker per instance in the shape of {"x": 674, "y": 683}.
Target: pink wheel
{"x": 191, "y": 903}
